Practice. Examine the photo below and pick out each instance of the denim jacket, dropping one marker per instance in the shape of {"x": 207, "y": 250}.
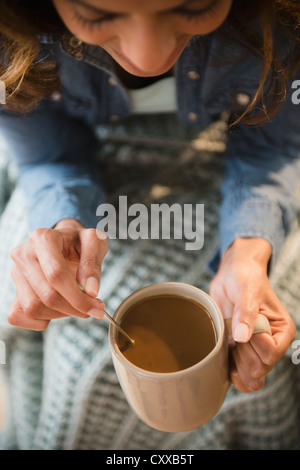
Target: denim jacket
{"x": 54, "y": 146}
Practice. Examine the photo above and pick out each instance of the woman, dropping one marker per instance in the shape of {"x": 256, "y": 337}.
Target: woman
{"x": 99, "y": 51}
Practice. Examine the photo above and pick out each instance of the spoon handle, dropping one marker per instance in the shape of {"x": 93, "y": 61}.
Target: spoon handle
{"x": 109, "y": 317}
{"x": 118, "y": 327}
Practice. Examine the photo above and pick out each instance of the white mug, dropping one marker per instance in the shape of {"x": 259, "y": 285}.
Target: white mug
{"x": 185, "y": 399}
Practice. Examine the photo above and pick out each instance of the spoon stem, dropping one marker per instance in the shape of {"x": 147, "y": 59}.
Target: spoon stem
{"x": 118, "y": 327}
{"x": 109, "y": 317}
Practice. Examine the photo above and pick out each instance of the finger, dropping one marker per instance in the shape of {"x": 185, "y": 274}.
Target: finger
{"x": 32, "y": 274}
{"x": 17, "y": 318}
{"x": 271, "y": 348}
{"x": 241, "y": 378}
{"x": 283, "y": 332}
{"x": 242, "y": 384}
{"x": 250, "y": 361}
{"x": 234, "y": 375}
{"x": 244, "y": 317}
{"x": 31, "y": 305}
{"x": 59, "y": 275}
{"x": 92, "y": 253}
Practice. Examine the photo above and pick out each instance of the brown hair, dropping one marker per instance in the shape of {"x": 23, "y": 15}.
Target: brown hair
{"x": 26, "y": 79}
{"x": 250, "y": 24}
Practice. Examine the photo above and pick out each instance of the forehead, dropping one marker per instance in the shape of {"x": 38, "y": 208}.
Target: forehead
{"x": 142, "y": 6}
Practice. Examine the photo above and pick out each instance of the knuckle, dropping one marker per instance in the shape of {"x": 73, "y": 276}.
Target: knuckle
{"x": 54, "y": 272}
{"x": 49, "y": 298}
{"x": 17, "y": 317}
{"x": 32, "y": 307}
{"x": 13, "y": 318}
{"x": 16, "y": 253}
{"x": 90, "y": 232}
{"x": 21, "y": 255}
{"x": 40, "y": 233}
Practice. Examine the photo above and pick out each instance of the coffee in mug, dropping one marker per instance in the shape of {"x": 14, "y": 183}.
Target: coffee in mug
{"x": 170, "y": 333}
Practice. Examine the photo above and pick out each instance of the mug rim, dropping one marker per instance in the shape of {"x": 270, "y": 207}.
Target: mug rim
{"x": 144, "y": 372}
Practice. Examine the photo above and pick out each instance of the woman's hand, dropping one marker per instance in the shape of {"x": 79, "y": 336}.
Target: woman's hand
{"x": 48, "y": 268}
{"x": 242, "y": 289}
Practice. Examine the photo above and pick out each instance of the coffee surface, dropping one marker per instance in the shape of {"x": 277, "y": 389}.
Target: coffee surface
{"x": 170, "y": 333}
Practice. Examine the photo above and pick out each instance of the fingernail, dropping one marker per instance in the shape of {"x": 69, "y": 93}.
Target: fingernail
{"x": 241, "y": 333}
{"x": 96, "y": 313}
{"x": 92, "y": 286}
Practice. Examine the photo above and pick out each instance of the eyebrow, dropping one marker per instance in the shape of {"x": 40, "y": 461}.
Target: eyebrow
{"x": 106, "y": 12}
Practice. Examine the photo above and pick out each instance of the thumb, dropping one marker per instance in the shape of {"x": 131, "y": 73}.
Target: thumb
{"x": 244, "y": 319}
{"x": 92, "y": 253}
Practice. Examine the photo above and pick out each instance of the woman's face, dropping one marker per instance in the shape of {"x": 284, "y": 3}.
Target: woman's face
{"x": 144, "y": 37}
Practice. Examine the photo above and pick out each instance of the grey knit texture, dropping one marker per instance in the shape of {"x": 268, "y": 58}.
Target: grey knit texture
{"x": 59, "y": 386}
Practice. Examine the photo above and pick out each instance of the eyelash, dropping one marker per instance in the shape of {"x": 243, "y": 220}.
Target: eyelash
{"x": 91, "y": 24}
{"x": 194, "y": 14}
{"x": 189, "y": 14}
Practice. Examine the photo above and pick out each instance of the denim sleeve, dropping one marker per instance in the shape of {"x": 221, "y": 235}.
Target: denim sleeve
{"x": 55, "y": 158}
{"x": 261, "y": 180}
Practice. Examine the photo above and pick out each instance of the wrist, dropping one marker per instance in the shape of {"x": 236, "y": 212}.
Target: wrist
{"x": 257, "y": 250}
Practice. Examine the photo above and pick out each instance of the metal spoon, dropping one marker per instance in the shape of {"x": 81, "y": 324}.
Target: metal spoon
{"x": 109, "y": 317}
{"x": 131, "y": 341}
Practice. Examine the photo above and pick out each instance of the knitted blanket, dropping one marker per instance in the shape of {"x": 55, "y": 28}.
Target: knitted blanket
{"x": 60, "y": 387}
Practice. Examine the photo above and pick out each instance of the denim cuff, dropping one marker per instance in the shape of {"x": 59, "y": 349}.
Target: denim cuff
{"x": 255, "y": 218}
{"x": 63, "y": 202}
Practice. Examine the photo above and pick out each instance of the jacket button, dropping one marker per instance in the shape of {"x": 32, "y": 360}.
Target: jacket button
{"x": 242, "y": 99}
{"x": 72, "y": 45}
{"x": 56, "y": 96}
{"x": 75, "y": 42}
{"x": 192, "y": 117}
{"x": 112, "y": 81}
{"x": 192, "y": 75}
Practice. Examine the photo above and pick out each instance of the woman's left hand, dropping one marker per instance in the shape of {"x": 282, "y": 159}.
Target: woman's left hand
{"x": 242, "y": 289}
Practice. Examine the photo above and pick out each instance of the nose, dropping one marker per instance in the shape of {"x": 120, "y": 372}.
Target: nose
{"x": 148, "y": 43}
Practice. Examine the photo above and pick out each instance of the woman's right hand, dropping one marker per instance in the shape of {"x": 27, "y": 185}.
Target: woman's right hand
{"x": 47, "y": 270}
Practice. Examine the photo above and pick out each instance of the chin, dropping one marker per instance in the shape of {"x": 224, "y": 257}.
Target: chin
{"x": 139, "y": 73}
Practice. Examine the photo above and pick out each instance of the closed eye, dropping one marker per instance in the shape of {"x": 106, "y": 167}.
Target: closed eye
{"x": 98, "y": 19}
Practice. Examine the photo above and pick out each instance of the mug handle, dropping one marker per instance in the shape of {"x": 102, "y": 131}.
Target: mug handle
{"x": 262, "y": 325}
